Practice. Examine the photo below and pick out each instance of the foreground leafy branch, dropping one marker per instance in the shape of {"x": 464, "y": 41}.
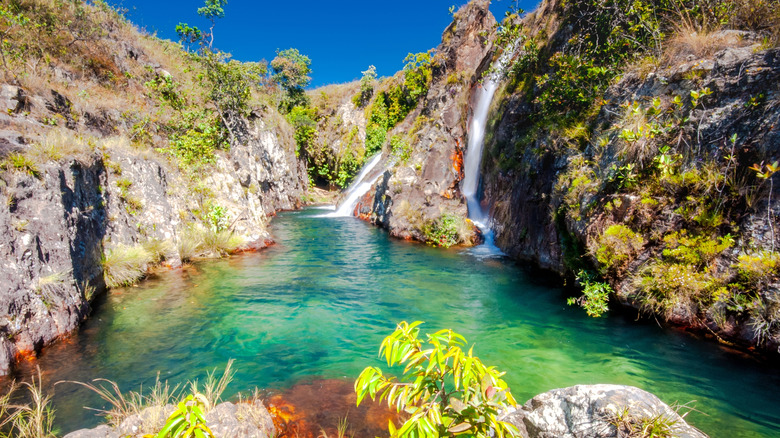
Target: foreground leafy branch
{"x": 445, "y": 391}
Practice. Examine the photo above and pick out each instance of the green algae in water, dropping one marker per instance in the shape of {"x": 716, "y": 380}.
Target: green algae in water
{"x": 318, "y": 304}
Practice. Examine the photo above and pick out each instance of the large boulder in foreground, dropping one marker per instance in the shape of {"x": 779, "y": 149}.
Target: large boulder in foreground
{"x": 598, "y": 411}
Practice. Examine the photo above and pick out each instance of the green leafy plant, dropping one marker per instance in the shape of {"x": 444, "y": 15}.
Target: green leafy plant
{"x": 595, "y": 295}
{"x": 617, "y": 246}
{"x": 444, "y": 390}
{"x": 758, "y": 267}
{"x": 187, "y": 420}
{"x": 217, "y": 217}
{"x": 303, "y": 121}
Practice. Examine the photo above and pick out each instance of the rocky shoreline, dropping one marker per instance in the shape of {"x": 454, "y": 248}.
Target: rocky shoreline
{"x": 582, "y": 411}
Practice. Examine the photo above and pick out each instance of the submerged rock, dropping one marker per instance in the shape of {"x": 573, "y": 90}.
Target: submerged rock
{"x": 597, "y": 411}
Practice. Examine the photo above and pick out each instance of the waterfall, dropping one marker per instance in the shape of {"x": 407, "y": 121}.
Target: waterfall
{"x": 358, "y": 188}
{"x": 475, "y": 145}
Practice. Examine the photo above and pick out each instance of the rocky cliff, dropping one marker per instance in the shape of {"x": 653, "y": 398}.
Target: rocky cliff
{"x": 653, "y": 183}
{"x": 638, "y": 158}
{"x": 96, "y": 194}
{"x": 418, "y": 197}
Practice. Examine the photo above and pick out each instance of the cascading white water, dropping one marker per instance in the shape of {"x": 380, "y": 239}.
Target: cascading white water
{"x": 358, "y": 188}
{"x": 476, "y": 141}
{"x": 473, "y": 160}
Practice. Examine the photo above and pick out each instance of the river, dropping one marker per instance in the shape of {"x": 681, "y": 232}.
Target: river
{"x": 317, "y": 305}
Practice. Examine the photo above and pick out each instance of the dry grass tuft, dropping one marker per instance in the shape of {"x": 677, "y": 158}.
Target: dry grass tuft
{"x": 198, "y": 241}
{"x": 123, "y": 406}
{"x": 124, "y": 265}
{"x": 213, "y": 388}
{"x": 61, "y": 143}
{"x": 687, "y": 42}
{"x": 33, "y": 420}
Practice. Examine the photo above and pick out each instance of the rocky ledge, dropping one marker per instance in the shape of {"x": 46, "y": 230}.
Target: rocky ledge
{"x": 582, "y": 411}
{"x": 234, "y": 420}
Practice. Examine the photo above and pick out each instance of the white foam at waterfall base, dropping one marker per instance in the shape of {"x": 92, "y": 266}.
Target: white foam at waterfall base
{"x": 357, "y": 189}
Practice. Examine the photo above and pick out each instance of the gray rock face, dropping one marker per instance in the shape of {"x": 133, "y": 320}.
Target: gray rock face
{"x": 427, "y": 184}
{"x": 57, "y": 225}
{"x": 50, "y": 247}
{"x": 596, "y": 411}
{"x": 226, "y": 420}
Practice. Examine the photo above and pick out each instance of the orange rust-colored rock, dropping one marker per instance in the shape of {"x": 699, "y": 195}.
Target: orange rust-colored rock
{"x": 309, "y": 409}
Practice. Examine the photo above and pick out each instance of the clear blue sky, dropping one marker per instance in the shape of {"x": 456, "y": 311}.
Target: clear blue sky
{"x": 342, "y": 38}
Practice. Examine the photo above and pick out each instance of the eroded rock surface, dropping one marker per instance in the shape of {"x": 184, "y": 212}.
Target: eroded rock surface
{"x": 596, "y": 411}
{"x": 226, "y": 420}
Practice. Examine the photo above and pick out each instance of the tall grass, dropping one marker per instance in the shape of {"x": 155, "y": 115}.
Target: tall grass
{"x": 198, "y": 241}
{"x": 124, "y": 405}
{"x": 213, "y": 388}
{"x": 32, "y": 420}
{"x": 124, "y": 265}
{"x": 150, "y": 405}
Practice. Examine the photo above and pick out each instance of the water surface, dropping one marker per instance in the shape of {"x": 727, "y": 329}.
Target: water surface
{"x": 318, "y": 304}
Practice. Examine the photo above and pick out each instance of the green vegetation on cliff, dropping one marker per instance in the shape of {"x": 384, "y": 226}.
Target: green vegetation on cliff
{"x": 657, "y": 188}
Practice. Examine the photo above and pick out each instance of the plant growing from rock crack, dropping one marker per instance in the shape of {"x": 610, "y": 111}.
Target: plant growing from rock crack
{"x": 444, "y": 390}
{"x": 187, "y": 420}
{"x": 766, "y": 172}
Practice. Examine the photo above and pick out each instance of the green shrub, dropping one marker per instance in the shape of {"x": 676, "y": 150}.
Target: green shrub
{"x": 576, "y": 183}
{"x": 758, "y": 267}
{"x": 196, "y": 146}
{"x": 366, "y": 87}
{"x": 444, "y": 391}
{"x": 393, "y": 105}
{"x": 571, "y": 86}
{"x": 667, "y": 286}
{"x": 303, "y": 121}
{"x": 217, "y": 218}
{"x": 400, "y": 148}
{"x": 697, "y": 250}
{"x": 21, "y": 163}
{"x": 124, "y": 265}
{"x": 447, "y": 230}
{"x": 595, "y": 295}
{"x": 617, "y": 246}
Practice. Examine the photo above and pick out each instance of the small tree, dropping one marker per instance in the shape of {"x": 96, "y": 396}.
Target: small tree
{"x": 366, "y": 87}
{"x": 445, "y": 391}
{"x": 211, "y": 10}
{"x": 291, "y": 71}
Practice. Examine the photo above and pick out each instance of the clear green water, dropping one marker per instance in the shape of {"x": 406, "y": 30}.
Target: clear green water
{"x": 319, "y": 303}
